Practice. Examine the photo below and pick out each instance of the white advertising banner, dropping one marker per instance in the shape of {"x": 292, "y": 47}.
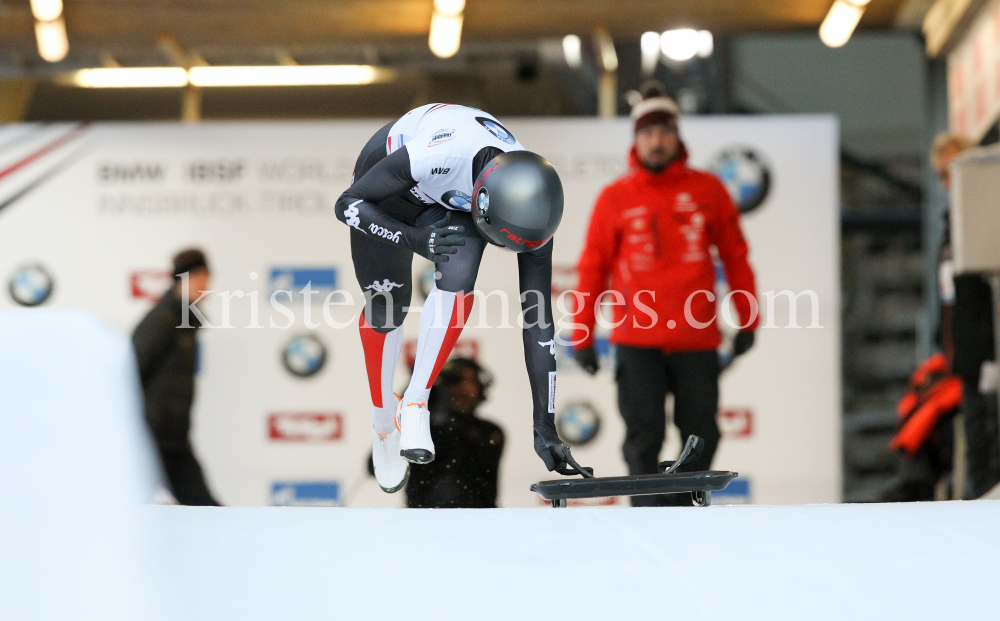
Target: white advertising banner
{"x": 90, "y": 216}
{"x": 974, "y": 76}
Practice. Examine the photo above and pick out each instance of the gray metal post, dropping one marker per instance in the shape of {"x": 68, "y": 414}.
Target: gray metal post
{"x": 935, "y": 204}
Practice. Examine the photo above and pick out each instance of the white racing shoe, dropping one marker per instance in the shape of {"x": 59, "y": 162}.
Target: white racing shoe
{"x": 414, "y": 423}
{"x": 391, "y": 470}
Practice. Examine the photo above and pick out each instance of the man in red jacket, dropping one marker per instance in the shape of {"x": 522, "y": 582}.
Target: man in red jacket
{"x": 652, "y": 234}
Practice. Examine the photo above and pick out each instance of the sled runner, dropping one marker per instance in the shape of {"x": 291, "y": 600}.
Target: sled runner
{"x": 699, "y": 484}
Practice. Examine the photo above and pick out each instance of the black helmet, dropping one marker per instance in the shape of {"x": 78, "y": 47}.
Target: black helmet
{"x": 518, "y": 201}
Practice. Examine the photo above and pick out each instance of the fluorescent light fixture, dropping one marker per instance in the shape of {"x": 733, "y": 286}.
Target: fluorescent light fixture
{"x": 681, "y": 44}
{"x": 52, "y": 42}
{"x": 649, "y": 44}
{"x": 606, "y": 46}
{"x": 706, "y": 44}
{"x": 46, "y": 10}
{"x": 128, "y": 77}
{"x": 841, "y": 21}
{"x": 285, "y": 75}
{"x": 279, "y": 75}
{"x": 573, "y": 50}
{"x": 449, "y": 7}
{"x": 446, "y": 34}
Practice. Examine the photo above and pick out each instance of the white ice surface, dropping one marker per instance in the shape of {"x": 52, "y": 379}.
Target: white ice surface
{"x": 915, "y": 561}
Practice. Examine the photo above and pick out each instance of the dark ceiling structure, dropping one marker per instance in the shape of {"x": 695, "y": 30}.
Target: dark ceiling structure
{"x": 510, "y": 56}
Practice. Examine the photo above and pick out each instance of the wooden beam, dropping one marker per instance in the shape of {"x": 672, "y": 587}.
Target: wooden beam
{"x": 947, "y": 22}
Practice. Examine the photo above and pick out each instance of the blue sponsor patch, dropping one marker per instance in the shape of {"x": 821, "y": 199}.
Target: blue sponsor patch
{"x": 305, "y": 494}
{"x": 323, "y": 281}
{"x": 499, "y": 131}
{"x": 738, "y": 492}
{"x": 457, "y": 200}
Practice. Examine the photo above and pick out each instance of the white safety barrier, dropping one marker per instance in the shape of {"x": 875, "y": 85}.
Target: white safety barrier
{"x": 75, "y": 467}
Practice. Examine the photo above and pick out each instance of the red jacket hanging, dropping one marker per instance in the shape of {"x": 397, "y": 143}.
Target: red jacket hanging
{"x": 653, "y": 232}
{"x": 933, "y": 393}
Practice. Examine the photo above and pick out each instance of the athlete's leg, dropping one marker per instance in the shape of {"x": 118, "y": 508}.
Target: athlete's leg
{"x": 384, "y": 273}
{"x": 445, "y": 312}
{"x": 447, "y": 306}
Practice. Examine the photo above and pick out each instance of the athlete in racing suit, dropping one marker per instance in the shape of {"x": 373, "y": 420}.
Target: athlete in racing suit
{"x": 411, "y": 193}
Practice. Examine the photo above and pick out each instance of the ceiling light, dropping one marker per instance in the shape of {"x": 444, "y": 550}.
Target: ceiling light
{"x": 130, "y": 77}
{"x": 52, "y": 42}
{"x": 46, "y": 10}
{"x": 573, "y": 50}
{"x": 449, "y": 7}
{"x": 841, "y": 21}
{"x": 680, "y": 45}
{"x": 649, "y": 45}
{"x": 706, "y": 44}
{"x": 446, "y": 34}
{"x": 606, "y": 46}
{"x": 285, "y": 75}
{"x": 280, "y": 75}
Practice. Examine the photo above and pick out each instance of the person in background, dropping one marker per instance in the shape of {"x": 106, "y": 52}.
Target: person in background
{"x": 652, "y": 234}
{"x": 167, "y": 353}
{"x": 469, "y": 448}
{"x": 967, "y": 340}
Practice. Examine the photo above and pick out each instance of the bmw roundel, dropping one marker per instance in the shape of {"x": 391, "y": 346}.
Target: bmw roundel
{"x": 483, "y": 201}
{"x": 31, "y": 285}
{"x": 304, "y": 355}
{"x": 578, "y": 423}
{"x": 494, "y": 127}
{"x": 746, "y": 175}
{"x": 457, "y": 199}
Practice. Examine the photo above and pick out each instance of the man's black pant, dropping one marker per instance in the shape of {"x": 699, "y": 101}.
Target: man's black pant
{"x": 645, "y": 376}
{"x": 981, "y": 436}
{"x": 184, "y": 475}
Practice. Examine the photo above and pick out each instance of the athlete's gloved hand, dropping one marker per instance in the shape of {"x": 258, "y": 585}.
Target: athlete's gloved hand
{"x": 587, "y": 359}
{"x": 442, "y": 239}
{"x": 742, "y": 343}
{"x": 558, "y": 458}
{"x": 544, "y": 450}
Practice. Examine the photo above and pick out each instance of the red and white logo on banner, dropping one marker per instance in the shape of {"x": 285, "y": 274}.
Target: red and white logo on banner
{"x": 150, "y": 284}
{"x": 305, "y": 426}
{"x": 736, "y": 422}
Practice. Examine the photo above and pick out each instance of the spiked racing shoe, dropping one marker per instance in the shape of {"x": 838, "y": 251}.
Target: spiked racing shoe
{"x": 391, "y": 470}
{"x": 414, "y": 423}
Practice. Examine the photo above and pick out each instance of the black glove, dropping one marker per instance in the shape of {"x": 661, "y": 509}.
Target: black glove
{"x": 587, "y": 359}
{"x": 742, "y": 343}
{"x": 558, "y": 458}
{"x": 441, "y": 239}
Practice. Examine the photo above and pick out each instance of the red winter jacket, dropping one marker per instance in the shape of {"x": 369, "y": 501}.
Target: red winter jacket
{"x": 653, "y": 232}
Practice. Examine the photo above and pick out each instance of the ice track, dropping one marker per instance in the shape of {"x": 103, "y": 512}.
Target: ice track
{"x": 76, "y": 544}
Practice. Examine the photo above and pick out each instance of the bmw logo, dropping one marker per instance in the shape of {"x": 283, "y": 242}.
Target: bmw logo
{"x": 31, "y": 285}
{"x": 745, "y": 174}
{"x": 458, "y": 200}
{"x": 498, "y": 130}
{"x": 578, "y": 423}
{"x": 483, "y": 201}
{"x": 304, "y": 355}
